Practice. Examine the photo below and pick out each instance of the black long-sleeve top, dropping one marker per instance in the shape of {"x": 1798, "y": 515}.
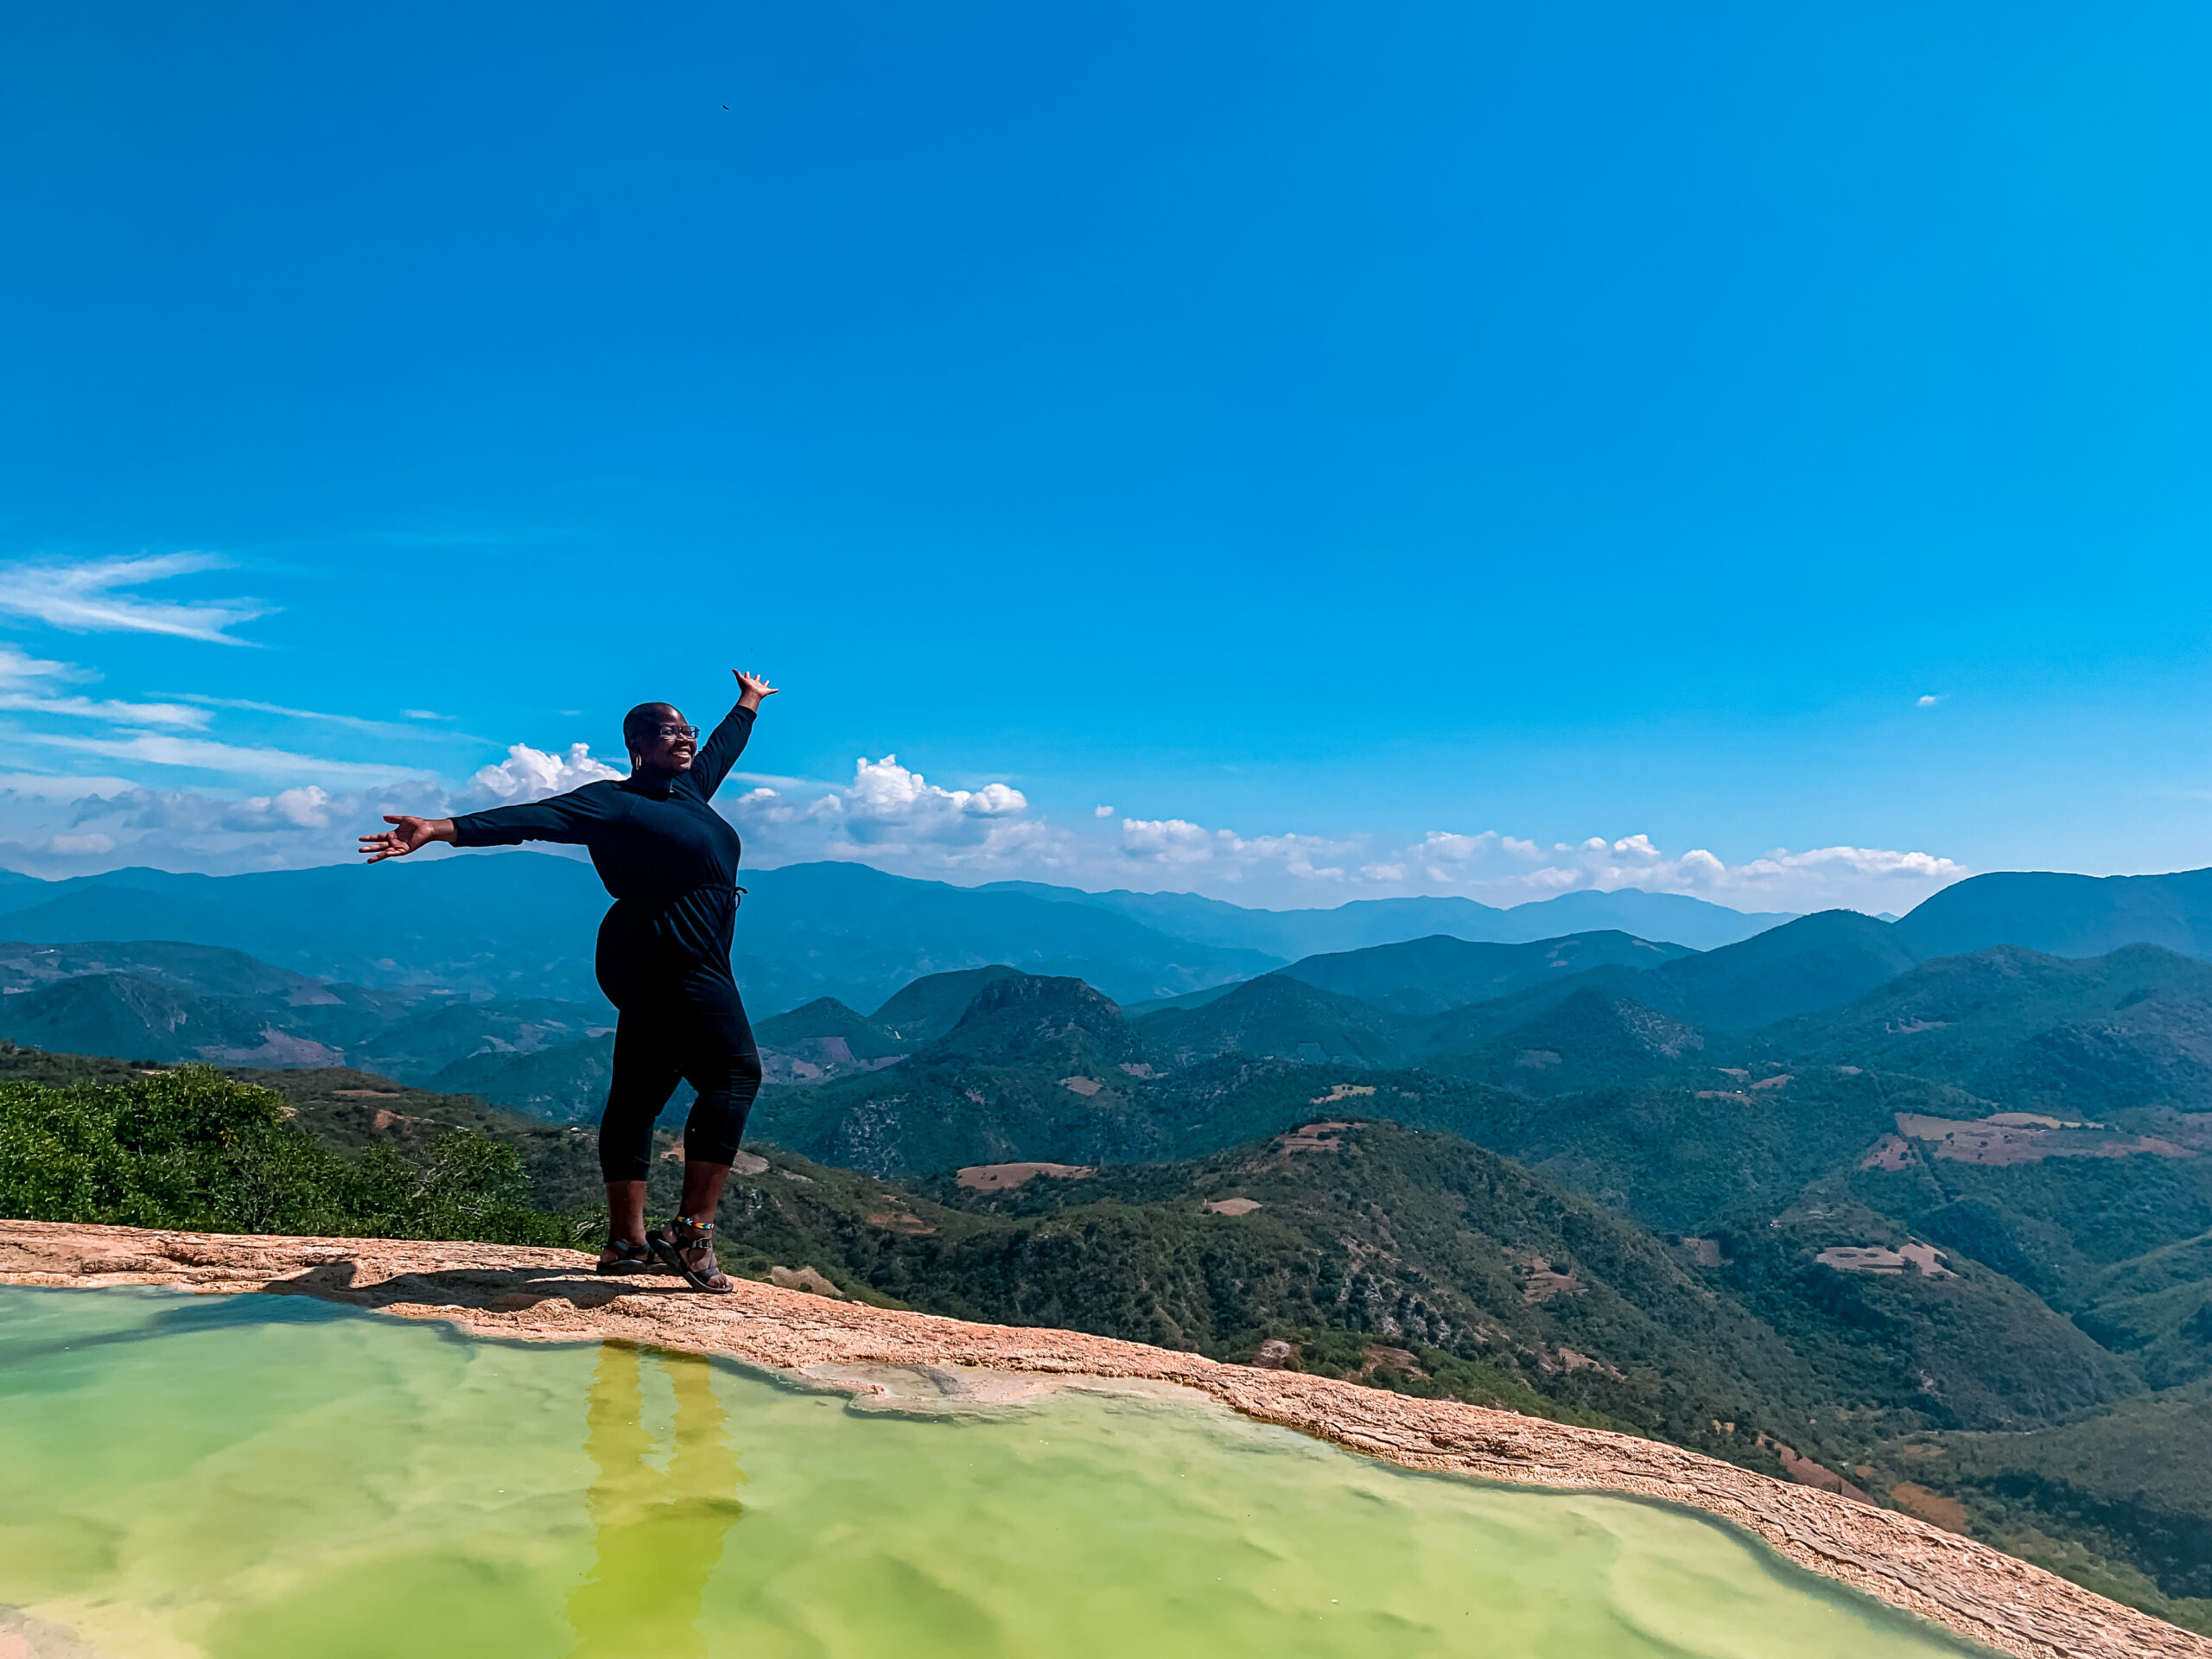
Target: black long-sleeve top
{"x": 669, "y": 859}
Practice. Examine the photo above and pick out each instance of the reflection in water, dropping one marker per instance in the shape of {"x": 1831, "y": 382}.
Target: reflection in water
{"x": 659, "y": 1531}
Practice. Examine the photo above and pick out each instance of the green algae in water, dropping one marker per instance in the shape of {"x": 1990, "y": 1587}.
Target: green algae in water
{"x": 262, "y": 1478}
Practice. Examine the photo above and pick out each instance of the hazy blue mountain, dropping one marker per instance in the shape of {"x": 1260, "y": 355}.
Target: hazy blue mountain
{"x": 524, "y": 925}
{"x": 209, "y": 970}
{"x": 1674, "y": 918}
{"x": 420, "y": 1045}
{"x": 565, "y": 1083}
{"x": 1460, "y": 1031}
{"x": 1293, "y": 933}
{"x": 1188, "y": 1000}
{"x": 2065, "y": 915}
{"x": 823, "y": 1039}
{"x": 1587, "y": 1040}
{"x": 1429, "y": 975}
{"x": 2080, "y": 1036}
{"x": 135, "y": 1018}
{"x": 1062, "y": 1022}
{"x": 925, "y": 1009}
{"x": 855, "y": 934}
{"x": 1473, "y": 995}
{"x": 827, "y": 1020}
{"x": 1821, "y": 961}
{"x": 1281, "y": 1016}
{"x": 513, "y": 925}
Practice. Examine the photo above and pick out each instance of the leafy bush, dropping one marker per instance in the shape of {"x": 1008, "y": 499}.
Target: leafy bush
{"x": 192, "y": 1149}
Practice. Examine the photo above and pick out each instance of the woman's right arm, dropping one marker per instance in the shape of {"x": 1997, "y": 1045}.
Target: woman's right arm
{"x": 567, "y": 819}
{"x": 408, "y": 834}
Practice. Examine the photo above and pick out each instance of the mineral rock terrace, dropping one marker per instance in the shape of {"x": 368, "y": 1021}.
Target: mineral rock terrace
{"x": 516, "y": 1293}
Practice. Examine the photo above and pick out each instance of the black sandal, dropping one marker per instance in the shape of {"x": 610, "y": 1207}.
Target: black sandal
{"x": 688, "y": 1247}
{"x": 628, "y": 1258}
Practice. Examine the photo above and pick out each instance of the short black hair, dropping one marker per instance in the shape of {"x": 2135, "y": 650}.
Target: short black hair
{"x": 644, "y": 721}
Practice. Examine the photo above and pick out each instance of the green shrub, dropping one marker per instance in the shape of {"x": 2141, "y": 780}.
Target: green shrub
{"x": 191, "y": 1149}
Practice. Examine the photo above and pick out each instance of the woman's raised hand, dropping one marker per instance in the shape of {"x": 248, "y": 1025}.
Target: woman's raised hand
{"x": 752, "y": 689}
{"x": 410, "y": 834}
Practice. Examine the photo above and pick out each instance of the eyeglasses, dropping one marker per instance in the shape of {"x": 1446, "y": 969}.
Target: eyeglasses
{"x": 691, "y": 732}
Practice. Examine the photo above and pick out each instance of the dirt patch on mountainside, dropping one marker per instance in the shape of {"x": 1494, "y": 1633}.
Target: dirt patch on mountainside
{"x": 1000, "y": 1178}
{"x": 2027, "y": 1138}
{"x": 516, "y": 1293}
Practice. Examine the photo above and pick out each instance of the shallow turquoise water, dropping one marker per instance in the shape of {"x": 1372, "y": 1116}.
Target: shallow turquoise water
{"x": 262, "y": 1478}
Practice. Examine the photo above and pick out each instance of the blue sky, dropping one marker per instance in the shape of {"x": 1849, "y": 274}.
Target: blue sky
{"x": 1319, "y": 437}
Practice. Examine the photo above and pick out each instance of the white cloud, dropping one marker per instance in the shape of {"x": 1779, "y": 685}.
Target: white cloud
{"x": 1495, "y": 868}
{"x": 888, "y": 803}
{"x": 94, "y": 596}
{"x": 1178, "y": 843}
{"x": 893, "y": 817}
{"x": 1928, "y": 703}
{"x": 82, "y": 846}
{"x": 1442, "y": 847}
{"x": 1504, "y": 869}
{"x": 1165, "y": 840}
{"x": 528, "y": 774}
{"x": 1101, "y": 811}
{"x": 306, "y": 808}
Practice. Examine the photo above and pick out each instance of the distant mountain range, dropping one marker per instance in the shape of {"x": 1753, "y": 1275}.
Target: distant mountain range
{"x": 524, "y": 924}
{"x": 1290, "y": 934}
{"x": 473, "y": 973}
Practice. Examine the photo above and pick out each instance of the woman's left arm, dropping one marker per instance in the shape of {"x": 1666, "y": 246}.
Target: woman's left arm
{"x": 720, "y": 752}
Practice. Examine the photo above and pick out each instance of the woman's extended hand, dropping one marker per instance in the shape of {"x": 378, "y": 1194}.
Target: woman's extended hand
{"x": 753, "y": 687}
{"x": 410, "y": 834}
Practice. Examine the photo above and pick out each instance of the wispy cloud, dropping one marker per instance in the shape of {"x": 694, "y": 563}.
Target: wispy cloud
{"x": 19, "y": 669}
{"x": 28, "y": 683}
{"x": 201, "y": 755}
{"x": 144, "y": 713}
{"x": 351, "y": 722}
{"x": 95, "y": 596}
{"x": 45, "y": 787}
{"x": 1929, "y": 702}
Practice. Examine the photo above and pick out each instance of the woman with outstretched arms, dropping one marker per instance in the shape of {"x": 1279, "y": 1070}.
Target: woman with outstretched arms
{"x": 670, "y": 859}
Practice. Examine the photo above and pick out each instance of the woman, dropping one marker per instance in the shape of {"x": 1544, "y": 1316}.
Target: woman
{"x": 670, "y": 862}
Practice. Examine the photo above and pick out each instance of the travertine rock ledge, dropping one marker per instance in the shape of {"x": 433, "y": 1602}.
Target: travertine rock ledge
{"x": 517, "y": 1293}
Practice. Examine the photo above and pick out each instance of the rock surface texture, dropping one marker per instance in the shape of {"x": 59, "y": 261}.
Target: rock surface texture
{"x": 499, "y": 1291}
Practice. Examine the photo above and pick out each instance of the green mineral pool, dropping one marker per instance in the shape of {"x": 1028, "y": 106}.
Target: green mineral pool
{"x": 266, "y": 1478}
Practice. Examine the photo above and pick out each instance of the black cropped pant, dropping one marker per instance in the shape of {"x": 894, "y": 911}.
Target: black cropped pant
{"x": 689, "y": 1029}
